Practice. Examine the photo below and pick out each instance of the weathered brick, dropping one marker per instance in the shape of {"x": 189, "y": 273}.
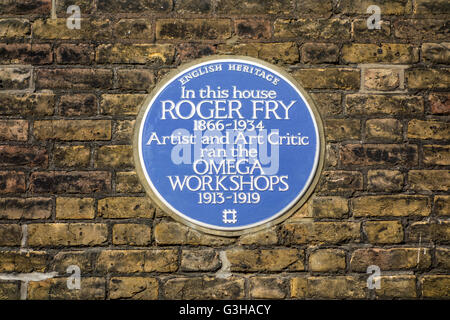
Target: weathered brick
{"x": 39, "y": 104}
{"x": 381, "y": 79}
{"x": 200, "y": 260}
{"x": 390, "y": 259}
{"x": 75, "y": 208}
{"x": 394, "y": 7}
{"x": 305, "y": 211}
{"x": 384, "y": 129}
{"x": 329, "y": 78}
{"x": 265, "y": 237}
{"x": 28, "y": 156}
{"x": 128, "y": 182}
{"x": 12, "y": 182}
{"x": 436, "y": 155}
{"x": 361, "y": 32}
{"x": 86, "y": 6}
{"x": 86, "y": 259}
{"x": 91, "y": 29}
{"x": 56, "y": 289}
{"x": 427, "y": 231}
{"x": 79, "y": 53}
{"x": 340, "y": 182}
{"x": 332, "y": 157}
{"x": 421, "y": 29}
{"x": 135, "y": 288}
{"x": 316, "y": 53}
{"x": 10, "y": 235}
{"x": 314, "y": 8}
{"x": 338, "y": 287}
{"x": 123, "y": 131}
{"x": 194, "y": 6}
{"x": 299, "y": 287}
{"x": 321, "y": 232}
{"x": 401, "y": 286}
{"x": 267, "y": 287}
{"x": 121, "y": 104}
{"x": 15, "y": 78}
{"x": 378, "y": 154}
{"x": 384, "y": 180}
{"x": 137, "y": 6}
{"x": 328, "y": 103}
{"x": 133, "y": 29}
{"x": 286, "y": 52}
{"x": 202, "y": 288}
{"x": 327, "y": 260}
{"x": 9, "y": 290}
{"x": 23, "y": 262}
{"x": 386, "y": 53}
{"x": 436, "y": 52}
{"x": 428, "y": 129}
{"x": 22, "y": 53}
{"x": 435, "y": 286}
{"x": 153, "y": 54}
{"x": 172, "y": 233}
{"x": 440, "y": 103}
{"x": 114, "y": 156}
{"x": 29, "y": 208}
{"x": 78, "y": 105}
{"x": 384, "y": 231}
{"x": 15, "y": 28}
{"x": 70, "y": 182}
{"x": 431, "y": 7}
{"x": 442, "y": 258}
{"x": 419, "y": 78}
{"x": 132, "y": 234}
{"x": 25, "y": 7}
{"x": 391, "y": 205}
{"x": 442, "y": 205}
{"x": 71, "y": 156}
{"x": 74, "y": 79}
{"x": 66, "y": 130}
{"x": 138, "y": 261}
{"x": 249, "y": 260}
{"x": 125, "y": 207}
{"x": 313, "y": 29}
{"x": 254, "y": 7}
{"x": 330, "y": 207}
{"x": 370, "y": 104}
{"x": 342, "y": 129}
{"x": 438, "y": 180}
{"x": 193, "y": 29}
{"x": 135, "y": 79}
{"x": 13, "y": 130}
{"x": 253, "y": 28}
{"x": 191, "y": 50}
{"x": 67, "y": 234}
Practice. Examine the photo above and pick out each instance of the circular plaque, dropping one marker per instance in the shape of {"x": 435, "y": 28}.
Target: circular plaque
{"x": 228, "y": 145}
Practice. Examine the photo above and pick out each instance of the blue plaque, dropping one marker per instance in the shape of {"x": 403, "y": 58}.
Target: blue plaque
{"x": 229, "y": 145}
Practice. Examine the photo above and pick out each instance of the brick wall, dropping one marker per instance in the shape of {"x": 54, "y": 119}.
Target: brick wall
{"x": 69, "y": 194}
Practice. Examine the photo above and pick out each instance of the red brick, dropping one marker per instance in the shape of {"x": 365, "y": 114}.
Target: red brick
{"x": 440, "y": 103}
